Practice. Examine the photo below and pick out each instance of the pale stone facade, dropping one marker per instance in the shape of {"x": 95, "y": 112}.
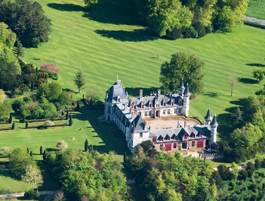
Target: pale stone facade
{"x": 128, "y": 115}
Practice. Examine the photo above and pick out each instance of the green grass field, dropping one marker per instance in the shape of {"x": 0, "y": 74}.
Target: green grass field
{"x": 107, "y": 41}
{"x": 256, "y": 9}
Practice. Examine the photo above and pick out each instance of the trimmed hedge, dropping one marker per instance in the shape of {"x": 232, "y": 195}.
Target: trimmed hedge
{"x": 42, "y": 127}
{"x": 254, "y": 24}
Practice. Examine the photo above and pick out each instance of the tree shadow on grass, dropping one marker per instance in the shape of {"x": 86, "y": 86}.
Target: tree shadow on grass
{"x": 248, "y": 81}
{"x": 66, "y": 7}
{"x": 134, "y": 92}
{"x": 136, "y": 35}
{"x": 211, "y": 94}
{"x": 112, "y": 138}
{"x": 256, "y": 65}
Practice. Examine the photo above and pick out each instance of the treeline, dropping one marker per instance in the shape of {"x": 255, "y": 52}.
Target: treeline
{"x": 190, "y": 18}
{"x": 170, "y": 176}
{"x": 248, "y": 138}
{"x": 89, "y": 175}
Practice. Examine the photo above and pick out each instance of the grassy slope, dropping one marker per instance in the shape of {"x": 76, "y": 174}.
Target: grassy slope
{"x": 105, "y": 47}
{"x": 256, "y": 9}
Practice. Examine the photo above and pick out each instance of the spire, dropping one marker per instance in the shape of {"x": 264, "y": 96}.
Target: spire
{"x": 208, "y": 115}
{"x": 187, "y": 91}
{"x": 181, "y": 83}
{"x": 214, "y": 122}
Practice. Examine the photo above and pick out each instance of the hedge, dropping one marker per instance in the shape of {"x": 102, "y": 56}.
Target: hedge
{"x": 254, "y": 24}
{"x": 41, "y": 126}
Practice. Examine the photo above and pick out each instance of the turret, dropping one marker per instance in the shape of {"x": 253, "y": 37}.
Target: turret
{"x": 181, "y": 87}
{"x": 214, "y": 126}
{"x": 208, "y": 117}
{"x": 186, "y": 101}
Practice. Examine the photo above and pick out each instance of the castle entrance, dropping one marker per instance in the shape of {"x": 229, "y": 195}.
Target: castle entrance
{"x": 157, "y": 113}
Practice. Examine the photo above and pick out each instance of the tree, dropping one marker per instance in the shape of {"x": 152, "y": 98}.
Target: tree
{"x": 27, "y": 125}
{"x": 10, "y": 118}
{"x": 70, "y": 121}
{"x": 92, "y": 96}
{"x": 61, "y": 144}
{"x": 237, "y": 118}
{"x": 91, "y": 148}
{"x": 32, "y": 176}
{"x": 86, "y": 145}
{"x": 64, "y": 98}
{"x": 5, "y": 150}
{"x": 223, "y": 171}
{"x": 80, "y": 79}
{"x": 40, "y": 150}
{"x": 147, "y": 145}
{"x": 27, "y": 20}
{"x": 257, "y": 164}
{"x": 19, "y": 50}
{"x": 43, "y": 99}
{"x": 2, "y": 96}
{"x": 44, "y": 155}
{"x": 19, "y": 160}
{"x": 30, "y": 153}
{"x": 184, "y": 65}
{"x": 59, "y": 196}
{"x": 171, "y": 195}
{"x": 5, "y": 109}
{"x": 161, "y": 186}
{"x": 235, "y": 169}
{"x": 233, "y": 80}
{"x": 167, "y": 15}
{"x": 13, "y": 126}
{"x": 258, "y": 73}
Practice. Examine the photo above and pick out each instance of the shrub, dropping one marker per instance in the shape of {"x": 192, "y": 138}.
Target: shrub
{"x": 5, "y": 150}
{"x": 49, "y": 110}
{"x": 38, "y": 113}
{"x": 59, "y": 196}
{"x": 48, "y": 123}
{"x": 61, "y": 144}
{"x": 32, "y": 194}
{"x": 49, "y": 68}
{"x": 13, "y": 126}
{"x": 54, "y": 76}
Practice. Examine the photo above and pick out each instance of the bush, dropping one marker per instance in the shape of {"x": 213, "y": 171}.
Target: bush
{"x": 5, "y": 150}
{"x": 59, "y": 196}
{"x": 48, "y": 123}
{"x": 61, "y": 144}
{"x": 32, "y": 194}
{"x": 54, "y": 76}
{"x": 257, "y": 164}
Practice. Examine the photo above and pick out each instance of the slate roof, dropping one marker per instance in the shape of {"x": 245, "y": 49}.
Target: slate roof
{"x": 180, "y": 131}
{"x": 187, "y": 90}
{"x": 208, "y": 115}
{"x": 214, "y": 122}
{"x": 138, "y": 124}
{"x": 114, "y": 91}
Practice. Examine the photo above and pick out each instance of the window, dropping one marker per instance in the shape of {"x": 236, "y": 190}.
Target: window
{"x": 150, "y": 104}
{"x": 175, "y": 145}
{"x": 193, "y": 135}
{"x": 142, "y": 105}
{"x": 164, "y": 111}
{"x": 168, "y": 138}
{"x": 161, "y": 146}
{"x": 180, "y": 102}
{"x": 164, "y": 104}
{"x": 134, "y": 106}
{"x": 200, "y": 135}
{"x": 141, "y": 135}
{"x": 157, "y": 105}
{"x": 145, "y": 113}
{"x": 175, "y": 137}
{"x": 161, "y": 138}
{"x": 172, "y": 103}
{"x": 150, "y": 113}
{"x": 175, "y": 111}
{"x": 168, "y": 111}
{"x": 179, "y": 110}
{"x": 154, "y": 140}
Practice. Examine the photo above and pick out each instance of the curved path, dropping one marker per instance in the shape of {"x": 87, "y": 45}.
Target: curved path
{"x": 16, "y": 195}
{"x": 255, "y": 20}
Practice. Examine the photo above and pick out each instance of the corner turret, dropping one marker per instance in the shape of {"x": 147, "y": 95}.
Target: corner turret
{"x": 186, "y": 102}
{"x": 181, "y": 87}
{"x": 208, "y": 117}
{"x": 214, "y": 126}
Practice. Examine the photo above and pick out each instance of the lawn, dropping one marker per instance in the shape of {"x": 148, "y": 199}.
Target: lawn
{"x": 256, "y": 9}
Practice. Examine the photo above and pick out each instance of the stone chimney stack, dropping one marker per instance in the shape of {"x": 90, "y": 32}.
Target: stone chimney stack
{"x": 125, "y": 106}
{"x": 118, "y": 82}
{"x": 123, "y": 89}
{"x": 134, "y": 114}
{"x": 130, "y": 103}
{"x": 131, "y": 110}
{"x": 158, "y": 93}
{"x": 141, "y": 94}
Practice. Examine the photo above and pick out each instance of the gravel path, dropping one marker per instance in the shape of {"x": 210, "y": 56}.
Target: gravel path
{"x": 252, "y": 19}
{"x": 16, "y": 195}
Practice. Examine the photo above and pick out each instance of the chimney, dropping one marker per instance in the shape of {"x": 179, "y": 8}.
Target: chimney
{"x": 118, "y": 82}
{"x": 131, "y": 110}
{"x": 125, "y": 106}
{"x": 185, "y": 124}
{"x": 134, "y": 114}
{"x": 158, "y": 93}
{"x": 130, "y": 103}
{"x": 123, "y": 89}
{"x": 126, "y": 94}
{"x": 141, "y": 94}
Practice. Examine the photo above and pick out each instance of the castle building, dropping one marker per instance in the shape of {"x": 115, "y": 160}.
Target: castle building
{"x": 129, "y": 115}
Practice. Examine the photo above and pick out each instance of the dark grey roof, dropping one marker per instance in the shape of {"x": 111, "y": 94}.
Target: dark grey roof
{"x": 208, "y": 115}
{"x": 214, "y": 122}
{"x": 187, "y": 91}
{"x": 114, "y": 91}
{"x": 181, "y": 83}
{"x": 138, "y": 123}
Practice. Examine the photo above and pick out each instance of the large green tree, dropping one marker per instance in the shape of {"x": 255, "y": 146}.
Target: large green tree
{"x": 182, "y": 64}
{"x": 166, "y": 15}
{"x": 27, "y": 20}
{"x": 79, "y": 79}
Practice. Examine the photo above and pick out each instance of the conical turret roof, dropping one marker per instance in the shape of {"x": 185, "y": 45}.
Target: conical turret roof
{"x": 208, "y": 115}
{"x": 214, "y": 122}
{"x": 187, "y": 91}
{"x": 181, "y": 83}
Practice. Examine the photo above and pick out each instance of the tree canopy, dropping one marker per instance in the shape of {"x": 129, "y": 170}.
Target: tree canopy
{"x": 27, "y": 20}
{"x": 182, "y": 64}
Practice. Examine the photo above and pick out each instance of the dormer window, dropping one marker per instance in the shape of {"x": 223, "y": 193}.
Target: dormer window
{"x": 168, "y": 138}
{"x": 118, "y": 98}
{"x": 172, "y": 103}
{"x": 200, "y": 135}
{"x": 175, "y": 137}
{"x": 150, "y": 104}
{"x": 161, "y": 138}
{"x": 180, "y": 102}
{"x": 134, "y": 106}
{"x": 164, "y": 103}
{"x": 193, "y": 135}
{"x": 142, "y": 105}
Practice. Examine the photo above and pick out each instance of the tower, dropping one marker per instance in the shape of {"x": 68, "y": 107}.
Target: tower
{"x": 208, "y": 117}
{"x": 186, "y": 101}
{"x": 214, "y": 126}
{"x": 181, "y": 87}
